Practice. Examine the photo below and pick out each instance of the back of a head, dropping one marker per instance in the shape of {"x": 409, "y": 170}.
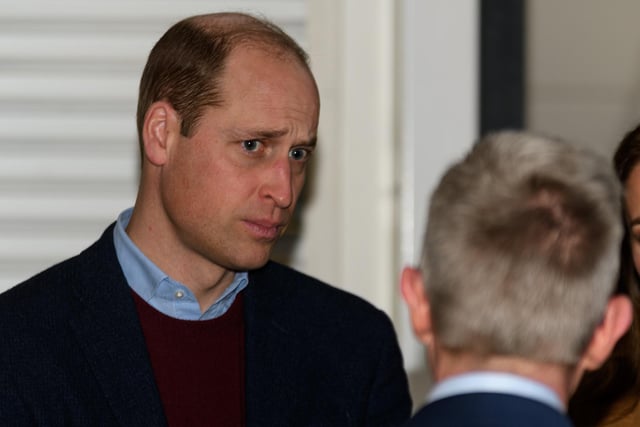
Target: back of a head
{"x": 521, "y": 248}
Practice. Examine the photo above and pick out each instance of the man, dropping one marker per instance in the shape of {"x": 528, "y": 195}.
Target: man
{"x": 175, "y": 316}
{"x": 513, "y": 298}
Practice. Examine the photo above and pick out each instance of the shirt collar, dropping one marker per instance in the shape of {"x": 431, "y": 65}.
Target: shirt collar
{"x": 496, "y": 382}
{"x": 166, "y": 295}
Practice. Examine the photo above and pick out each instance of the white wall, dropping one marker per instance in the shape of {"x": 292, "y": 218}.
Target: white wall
{"x": 437, "y": 123}
{"x": 398, "y": 82}
{"x": 583, "y": 74}
{"x": 348, "y": 236}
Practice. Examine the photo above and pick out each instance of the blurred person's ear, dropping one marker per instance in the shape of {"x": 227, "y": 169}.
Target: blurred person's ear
{"x": 616, "y": 321}
{"x": 414, "y": 295}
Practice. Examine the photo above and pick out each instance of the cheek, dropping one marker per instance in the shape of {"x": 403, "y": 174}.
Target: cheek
{"x": 635, "y": 251}
{"x": 297, "y": 182}
{"x": 298, "y": 185}
{"x": 189, "y": 183}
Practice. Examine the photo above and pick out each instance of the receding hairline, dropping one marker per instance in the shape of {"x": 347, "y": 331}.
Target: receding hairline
{"x": 246, "y": 29}
{"x": 225, "y": 20}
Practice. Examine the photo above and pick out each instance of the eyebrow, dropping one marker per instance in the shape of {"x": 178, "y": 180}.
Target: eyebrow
{"x": 269, "y": 134}
{"x": 312, "y": 142}
{"x": 634, "y": 222}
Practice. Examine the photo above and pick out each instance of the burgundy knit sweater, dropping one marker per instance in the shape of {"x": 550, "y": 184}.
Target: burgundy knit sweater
{"x": 198, "y": 365}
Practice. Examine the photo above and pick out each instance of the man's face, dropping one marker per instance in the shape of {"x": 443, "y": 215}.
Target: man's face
{"x": 230, "y": 189}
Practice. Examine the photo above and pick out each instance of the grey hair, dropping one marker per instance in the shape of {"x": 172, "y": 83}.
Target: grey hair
{"x": 521, "y": 249}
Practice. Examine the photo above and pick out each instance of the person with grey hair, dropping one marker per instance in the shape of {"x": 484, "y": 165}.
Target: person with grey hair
{"x": 176, "y": 315}
{"x": 513, "y": 296}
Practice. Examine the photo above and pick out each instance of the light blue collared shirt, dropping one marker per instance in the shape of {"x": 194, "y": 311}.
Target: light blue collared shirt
{"x": 495, "y": 382}
{"x": 159, "y": 290}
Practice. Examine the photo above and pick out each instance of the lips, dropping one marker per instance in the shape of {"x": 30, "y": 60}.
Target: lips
{"x": 265, "y": 230}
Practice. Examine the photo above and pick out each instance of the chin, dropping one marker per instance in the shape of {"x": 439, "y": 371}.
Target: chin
{"x": 242, "y": 257}
{"x": 252, "y": 263}
{"x": 257, "y": 265}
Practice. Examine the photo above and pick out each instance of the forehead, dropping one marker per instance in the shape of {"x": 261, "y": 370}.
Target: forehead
{"x": 252, "y": 68}
{"x": 269, "y": 82}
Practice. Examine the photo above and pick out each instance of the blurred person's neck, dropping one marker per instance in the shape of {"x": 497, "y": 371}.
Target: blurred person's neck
{"x": 559, "y": 378}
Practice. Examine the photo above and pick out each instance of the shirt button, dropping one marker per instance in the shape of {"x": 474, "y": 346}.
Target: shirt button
{"x": 179, "y": 294}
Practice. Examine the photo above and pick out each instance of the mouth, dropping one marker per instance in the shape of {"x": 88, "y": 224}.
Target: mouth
{"x": 264, "y": 230}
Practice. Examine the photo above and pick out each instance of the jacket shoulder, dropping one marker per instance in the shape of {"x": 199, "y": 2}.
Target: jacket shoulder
{"x": 296, "y": 289}
{"x": 64, "y": 282}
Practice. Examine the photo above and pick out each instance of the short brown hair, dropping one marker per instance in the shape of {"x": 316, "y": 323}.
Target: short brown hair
{"x": 185, "y": 66}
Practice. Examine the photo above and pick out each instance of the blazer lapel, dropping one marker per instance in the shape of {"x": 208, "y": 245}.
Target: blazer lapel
{"x": 108, "y": 330}
{"x": 273, "y": 366}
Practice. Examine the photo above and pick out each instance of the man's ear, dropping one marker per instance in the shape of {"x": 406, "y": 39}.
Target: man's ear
{"x": 414, "y": 295}
{"x": 161, "y": 123}
{"x": 617, "y": 320}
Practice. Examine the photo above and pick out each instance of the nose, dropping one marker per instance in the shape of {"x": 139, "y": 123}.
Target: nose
{"x": 278, "y": 184}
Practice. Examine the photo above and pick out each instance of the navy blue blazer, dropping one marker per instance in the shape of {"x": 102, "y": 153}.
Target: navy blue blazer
{"x": 488, "y": 410}
{"x": 73, "y": 353}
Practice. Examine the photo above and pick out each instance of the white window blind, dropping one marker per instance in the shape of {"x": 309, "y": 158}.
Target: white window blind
{"x": 69, "y": 73}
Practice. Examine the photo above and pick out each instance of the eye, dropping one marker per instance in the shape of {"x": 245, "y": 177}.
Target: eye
{"x": 251, "y": 145}
{"x": 299, "y": 153}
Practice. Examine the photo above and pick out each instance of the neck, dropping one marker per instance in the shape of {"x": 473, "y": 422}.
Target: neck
{"x": 162, "y": 246}
{"x": 557, "y": 377}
